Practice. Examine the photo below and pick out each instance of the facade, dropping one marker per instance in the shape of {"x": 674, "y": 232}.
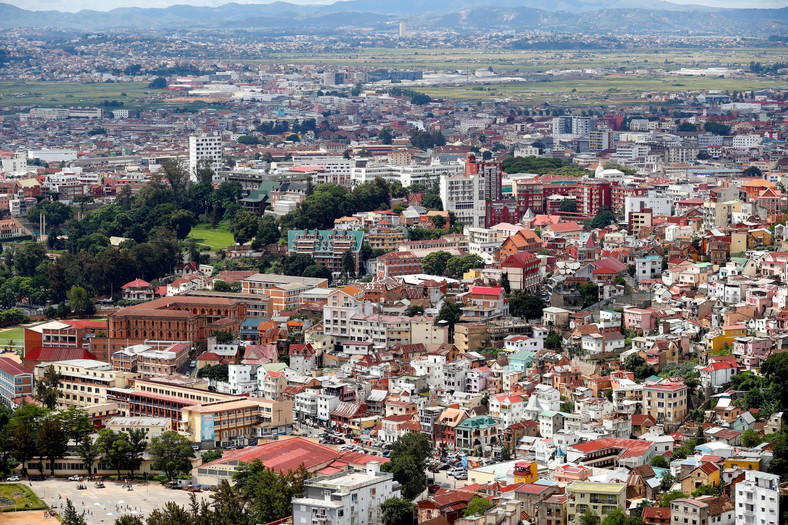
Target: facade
{"x": 345, "y": 498}
{"x": 205, "y": 147}
{"x": 465, "y": 196}
{"x": 522, "y": 270}
{"x": 666, "y": 402}
{"x": 758, "y": 499}
{"x": 15, "y": 381}
{"x": 235, "y": 420}
{"x": 327, "y": 247}
{"x": 84, "y": 382}
{"x": 600, "y": 498}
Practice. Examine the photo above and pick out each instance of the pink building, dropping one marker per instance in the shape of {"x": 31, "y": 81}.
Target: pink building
{"x": 751, "y": 352}
{"x": 640, "y": 319}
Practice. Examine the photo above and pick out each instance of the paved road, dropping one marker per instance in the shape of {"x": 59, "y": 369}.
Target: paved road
{"x": 107, "y": 504}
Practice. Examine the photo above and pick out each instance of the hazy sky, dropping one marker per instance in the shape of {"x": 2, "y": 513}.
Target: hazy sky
{"x": 105, "y": 5}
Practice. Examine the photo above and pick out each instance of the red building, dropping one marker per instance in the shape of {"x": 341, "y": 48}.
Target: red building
{"x": 522, "y": 270}
{"x": 491, "y": 172}
{"x": 394, "y": 264}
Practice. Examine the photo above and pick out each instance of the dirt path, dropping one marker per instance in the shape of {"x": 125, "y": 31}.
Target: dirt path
{"x": 28, "y": 517}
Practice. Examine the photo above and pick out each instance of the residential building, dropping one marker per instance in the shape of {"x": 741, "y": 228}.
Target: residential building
{"x": 205, "y": 147}
{"x": 600, "y": 498}
{"x": 465, "y": 196}
{"x": 327, "y": 247}
{"x": 758, "y": 499}
{"x": 666, "y": 402}
{"x": 16, "y": 381}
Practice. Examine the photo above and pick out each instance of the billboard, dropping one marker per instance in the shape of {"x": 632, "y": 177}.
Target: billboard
{"x": 207, "y": 427}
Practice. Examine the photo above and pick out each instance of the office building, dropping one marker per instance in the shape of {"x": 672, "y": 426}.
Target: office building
{"x": 205, "y": 147}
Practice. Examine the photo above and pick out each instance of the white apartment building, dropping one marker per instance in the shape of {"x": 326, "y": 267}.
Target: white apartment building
{"x": 464, "y": 195}
{"x": 346, "y": 498}
{"x": 384, "y": 331}
{"x": 84, "y": 382}
{"x": 758, "y": 499}
{"x": 648, "y": 267}
{"x": 746, "y": 141}
{"x": 205, "y": 147}
{"x": 660, "y": 204}
{"x": 340, "y": 307}
{"x": 365, "y": 171}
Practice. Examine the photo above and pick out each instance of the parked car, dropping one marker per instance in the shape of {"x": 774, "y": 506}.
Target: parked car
{"x": 12, "y": 478}
{"x": 75, "y": 478}
{"x": 432, "y": 489}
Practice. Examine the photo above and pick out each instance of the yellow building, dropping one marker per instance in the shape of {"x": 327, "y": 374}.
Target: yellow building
{"x": 84, "y": 382}
{"x": 234, "y": 419}
{"x": 666, "y": 402}
{"x": 600, "y": 498}
{"x": 470, "y": 337}
{"x": 728, "y": 335}
{"x": 743, "y": 463}
{"x": 706, "y": 474}
{"x": 526, "y": 472}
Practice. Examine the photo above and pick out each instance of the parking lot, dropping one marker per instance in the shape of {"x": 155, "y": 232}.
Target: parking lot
{"x": 104, "y": 505}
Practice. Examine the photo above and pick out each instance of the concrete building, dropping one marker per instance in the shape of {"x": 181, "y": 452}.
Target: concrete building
{"x": 465, "y": 196}
{"x": 666, "y": 402}
{"x": 84, "y": 382}
{"x": 15, "y": 381}
{"x": 600, "y": 498}
{"x": 345, "y": 498}
{"x": 205, "y": 147}
{"x": 758, "y": 499}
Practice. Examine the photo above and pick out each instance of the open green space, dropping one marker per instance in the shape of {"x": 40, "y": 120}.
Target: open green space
{"x": 12, "y": 337}
{"x": 618, "y": 89}
{"x": 16, "y": 496}
{"x": 68, "y": 93}
{"x": 214, "y": 238}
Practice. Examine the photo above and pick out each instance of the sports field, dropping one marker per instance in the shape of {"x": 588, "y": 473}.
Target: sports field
{"x": 214, "y": 238}
{"x": 12, "y": 337}
{"x": 16, "y": 496}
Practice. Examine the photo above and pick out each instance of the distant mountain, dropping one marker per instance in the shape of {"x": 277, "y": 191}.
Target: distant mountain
{"x": 586, "y": 16}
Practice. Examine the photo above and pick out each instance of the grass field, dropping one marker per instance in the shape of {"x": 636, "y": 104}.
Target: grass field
{"x": 14, "y": 335}
{"x": 214, "y": 238}
{"x": 67, "y": 93}
{"x": 21, "y": 497}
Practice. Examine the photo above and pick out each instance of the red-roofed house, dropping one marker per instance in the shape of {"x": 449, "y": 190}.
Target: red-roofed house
{"x": 656, "y": 516}
{"x": 607, "y": 452}
{"x": 49, "y": 354}
{"x": 522, "y": 269}
{"x": 485, "y": 302}
{"x": 15, "y": 381}
{"x": 717, "y": 375}
{"x": 137, "y": 290}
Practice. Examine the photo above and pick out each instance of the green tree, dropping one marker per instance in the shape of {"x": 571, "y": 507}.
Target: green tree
{"x": 317, "y": 270}
{"x": 52, "y": 442}
{"x": 244, "y": 226}
{"x": 137, "y": 444}
{"x": 668, "y": 498}
{"x": 76, "y": 422}
{"x": 296, "y": 264}
{"x": 602, "y": 219}
{"x": 666, "y": 482}
{"x": 435, "y": 263}
{"x": 80, "y": 301}
{"x": 171, "y": 454}
{"x": 779, "y": 462}
{"x": 432, "y": 201}
{"x": 775, "y": 368}
{"x": 659, "y": 462}
{"x": 716, "y": 128}
{"x": 408, "y": 463}
{"x": 567, "y": 407}
{"x": 456, "y": 267}
{"x": 88, "y": 450}
{"x": 268, "y": 493}
{"x": 211, "y": 455}
{"x": 181, "y": 222}
{"x": 115, "y": 449}
{"x": 750, "y": 438}
{"x": 397, "y": 511}
{"x": 48, "y": 388}
{"x": 23, "y": 443}
{"x": 477, "y": 506}
{"x": 28, "y": 258}
{"x": 70, "y": 516}
{"x": 386, "y": 135}
{"x": 553, "y": 340}
{"x": 568, "y": 205}
{"x": 505, "y": 284}
{"x": 439, "y": 221}
{"x": 589, "y": 517}
{"x": 525, "y": 305}
{"x": 348, "y": 263}
{"x": 414, "y": 310}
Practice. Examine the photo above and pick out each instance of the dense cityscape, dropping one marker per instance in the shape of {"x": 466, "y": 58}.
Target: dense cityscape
{"x": 392, "y": 275}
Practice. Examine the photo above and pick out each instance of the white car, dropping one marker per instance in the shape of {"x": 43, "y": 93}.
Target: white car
{"x": 12, "y": 478}
{"x": 75, "y": 478}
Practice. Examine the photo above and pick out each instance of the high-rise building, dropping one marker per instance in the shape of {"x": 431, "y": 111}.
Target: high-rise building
{"x": 491, "y": 172}
{"x": 600, "y": 139}
{"x": 207, "y": 147}
{"x": 758, "y": 499}
{"x": 402, "y": 29}
{"x": 465, "y": 196}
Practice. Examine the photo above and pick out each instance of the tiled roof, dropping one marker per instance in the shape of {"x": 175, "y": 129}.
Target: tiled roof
{"x": 51, "y": 354}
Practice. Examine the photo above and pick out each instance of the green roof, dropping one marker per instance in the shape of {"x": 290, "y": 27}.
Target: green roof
{"x": 478, "y": 421}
